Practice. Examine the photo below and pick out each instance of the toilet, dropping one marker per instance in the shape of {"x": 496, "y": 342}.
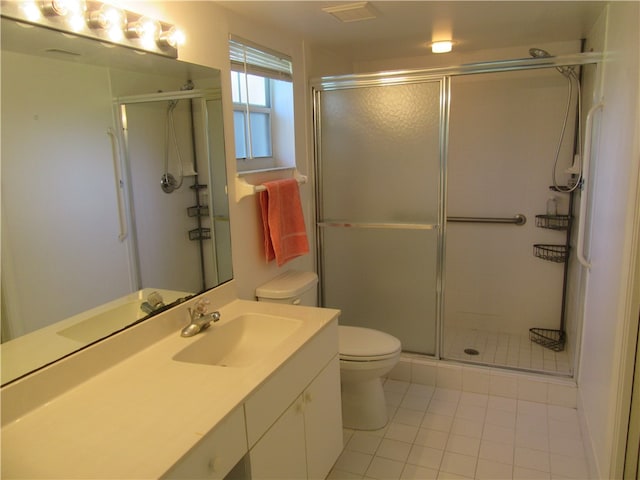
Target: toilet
{"x": 365, "y": 354}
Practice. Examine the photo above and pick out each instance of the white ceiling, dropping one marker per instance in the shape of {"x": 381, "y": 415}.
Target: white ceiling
{"x": 403, "y": 28}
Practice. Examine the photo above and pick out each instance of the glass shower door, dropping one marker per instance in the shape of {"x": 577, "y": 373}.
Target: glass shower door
{"x": 379, "y": 164}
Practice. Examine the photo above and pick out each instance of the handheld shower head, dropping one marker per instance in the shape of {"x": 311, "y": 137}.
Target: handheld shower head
{"x": 538, "y": 53}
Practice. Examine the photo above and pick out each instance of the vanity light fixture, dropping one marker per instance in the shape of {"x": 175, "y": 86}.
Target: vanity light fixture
{"x": 99, "y": 21}
{"x": 443, "y": 46}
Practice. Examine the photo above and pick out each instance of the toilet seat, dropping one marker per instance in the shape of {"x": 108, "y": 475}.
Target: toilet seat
{"x": 359, "y": 344}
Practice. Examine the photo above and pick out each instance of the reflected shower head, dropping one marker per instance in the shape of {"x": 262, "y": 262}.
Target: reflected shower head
{"x": 538, "y": 53}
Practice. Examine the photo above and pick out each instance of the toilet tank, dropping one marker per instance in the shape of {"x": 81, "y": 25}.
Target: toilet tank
{"x": 292, "y": 287}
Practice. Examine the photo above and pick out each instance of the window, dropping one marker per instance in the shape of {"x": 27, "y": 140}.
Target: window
{"x": 262, "y": 93}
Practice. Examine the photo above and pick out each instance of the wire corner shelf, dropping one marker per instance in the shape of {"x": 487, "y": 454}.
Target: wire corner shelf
{"x": 201, "y": 233}
{"x": 553, "y": 222}
{"x": 548, "y": 338}
{"x": 551, "y": 253}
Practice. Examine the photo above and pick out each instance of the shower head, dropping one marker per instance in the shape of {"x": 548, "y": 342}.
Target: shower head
{"x": 539, "y": 53}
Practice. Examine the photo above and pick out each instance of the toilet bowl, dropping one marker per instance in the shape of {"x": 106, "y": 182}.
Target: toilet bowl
{"x": 365, "y": 354}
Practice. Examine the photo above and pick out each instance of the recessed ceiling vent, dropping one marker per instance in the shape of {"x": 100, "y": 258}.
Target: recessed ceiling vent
{"x": 352, "y": 12}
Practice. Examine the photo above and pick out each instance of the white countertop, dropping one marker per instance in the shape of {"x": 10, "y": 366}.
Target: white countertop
{"x": 138, "y": 417}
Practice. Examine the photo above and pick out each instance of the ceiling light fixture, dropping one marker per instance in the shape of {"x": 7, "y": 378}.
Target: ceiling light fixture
{"x": 443, "y": 46}
{"x": 352, "y": 12}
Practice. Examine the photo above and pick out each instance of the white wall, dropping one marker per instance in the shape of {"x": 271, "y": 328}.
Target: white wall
{"x": 608, "y": 317}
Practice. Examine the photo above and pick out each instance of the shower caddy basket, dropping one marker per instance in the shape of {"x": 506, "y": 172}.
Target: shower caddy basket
{"x": 550, "y": 338}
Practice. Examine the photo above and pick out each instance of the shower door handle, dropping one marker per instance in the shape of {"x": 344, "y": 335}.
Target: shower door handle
{"x": 588, "y": 134}
{"x": 122, "y": 216}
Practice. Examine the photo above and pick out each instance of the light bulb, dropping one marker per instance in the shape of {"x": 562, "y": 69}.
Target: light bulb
{"x": 442, "y": 46}
{"x": 146, "y": 29}
{"x": 31, "y": 11}
{"x": 109, "y": 18}
{"x": 172, "y": 37}
{"x": 64, "y": 7}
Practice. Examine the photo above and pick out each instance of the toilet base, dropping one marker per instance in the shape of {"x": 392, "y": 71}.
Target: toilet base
{"x": 364, "y": 405}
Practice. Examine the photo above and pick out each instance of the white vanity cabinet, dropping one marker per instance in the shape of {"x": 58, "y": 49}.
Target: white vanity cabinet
{"x": 216, "y": 454}
{"x": 294, "y": 421}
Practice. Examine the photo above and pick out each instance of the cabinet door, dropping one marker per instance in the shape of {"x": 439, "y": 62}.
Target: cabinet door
{"x": 280, "y": 453}
{"x": 323, "y": 421}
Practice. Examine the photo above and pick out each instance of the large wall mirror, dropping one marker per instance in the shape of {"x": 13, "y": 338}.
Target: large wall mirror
{"x": 114, "y": 198}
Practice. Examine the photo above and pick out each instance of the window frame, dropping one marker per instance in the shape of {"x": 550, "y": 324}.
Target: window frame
{"x": 252, "y": 59}
{"x": 246, "y": 109}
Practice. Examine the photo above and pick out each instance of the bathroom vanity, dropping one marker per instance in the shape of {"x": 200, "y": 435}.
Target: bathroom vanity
{"x": 261, "y": 395}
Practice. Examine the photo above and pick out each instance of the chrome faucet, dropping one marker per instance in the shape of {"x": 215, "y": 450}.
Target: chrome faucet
{"x": 200, "y": 319}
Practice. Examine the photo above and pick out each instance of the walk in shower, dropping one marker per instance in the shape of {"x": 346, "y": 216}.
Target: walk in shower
{"x": 439, "y": 197}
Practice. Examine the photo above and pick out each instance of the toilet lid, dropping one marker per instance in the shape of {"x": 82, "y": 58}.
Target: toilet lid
{"x": 365, "y": 344}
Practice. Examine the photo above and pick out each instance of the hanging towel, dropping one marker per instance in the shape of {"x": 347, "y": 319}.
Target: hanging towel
{"x": 285, "y": 236}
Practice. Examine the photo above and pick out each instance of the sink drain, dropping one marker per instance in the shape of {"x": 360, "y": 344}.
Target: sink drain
{"x": 471, "y": 351}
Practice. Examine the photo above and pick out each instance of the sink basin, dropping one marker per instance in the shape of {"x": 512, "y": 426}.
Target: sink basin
{"x": 240, "y": 342}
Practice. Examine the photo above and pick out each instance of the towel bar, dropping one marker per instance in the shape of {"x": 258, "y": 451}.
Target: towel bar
{"x": 245, "y": 189}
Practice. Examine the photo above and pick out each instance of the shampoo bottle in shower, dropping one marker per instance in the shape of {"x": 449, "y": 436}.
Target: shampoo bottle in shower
{"x": 552, "y": 206}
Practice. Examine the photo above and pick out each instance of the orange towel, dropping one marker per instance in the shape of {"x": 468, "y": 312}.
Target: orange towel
{"x": 285, "y": 236}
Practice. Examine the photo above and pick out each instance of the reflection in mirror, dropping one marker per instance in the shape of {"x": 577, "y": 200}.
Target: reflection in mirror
{"x": 114, "y": 201}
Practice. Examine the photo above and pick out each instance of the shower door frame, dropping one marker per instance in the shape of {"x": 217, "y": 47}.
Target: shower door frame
{"x": 401, "y": 77}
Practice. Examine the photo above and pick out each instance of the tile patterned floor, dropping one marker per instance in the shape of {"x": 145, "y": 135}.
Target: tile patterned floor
{"x": 502, "y": 349}
{"x": 448, "y": 434}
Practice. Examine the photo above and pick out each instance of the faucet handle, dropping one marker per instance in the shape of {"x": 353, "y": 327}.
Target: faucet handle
{"x": 201, "y": 306}
{"x": 155, "y": 300}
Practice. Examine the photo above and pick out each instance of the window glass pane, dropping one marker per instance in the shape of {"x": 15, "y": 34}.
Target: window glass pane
{"x": 239, "y": 132}
{"x": 235, "y": 87}
{"x": 260, "y": 134}
{"x": 257, "y": 90}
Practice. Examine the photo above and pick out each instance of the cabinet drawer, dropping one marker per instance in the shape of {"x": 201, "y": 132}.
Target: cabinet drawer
{"x": 273, "y": 397}
{"x": 217, "y": 453}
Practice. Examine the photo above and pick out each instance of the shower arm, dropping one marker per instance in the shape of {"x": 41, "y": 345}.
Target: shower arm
{"x": 586, "y": 160}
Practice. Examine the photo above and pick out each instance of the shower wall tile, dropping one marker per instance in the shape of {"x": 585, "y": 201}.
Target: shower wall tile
{"x": 503, "y": 385}
{"x": 475, "y": 380}
{"x": 424, "y": 373}
{"x": 532, "y": 390}
{"x": 402, "y": 371}
{"x": 562, "y": 395}
{"x": 479, "y": 380}
{"x": 449, "y": 376}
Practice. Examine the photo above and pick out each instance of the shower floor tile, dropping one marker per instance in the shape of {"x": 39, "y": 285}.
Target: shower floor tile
{"x": 496, "y": 447}
{"x": 502, "y": 349}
